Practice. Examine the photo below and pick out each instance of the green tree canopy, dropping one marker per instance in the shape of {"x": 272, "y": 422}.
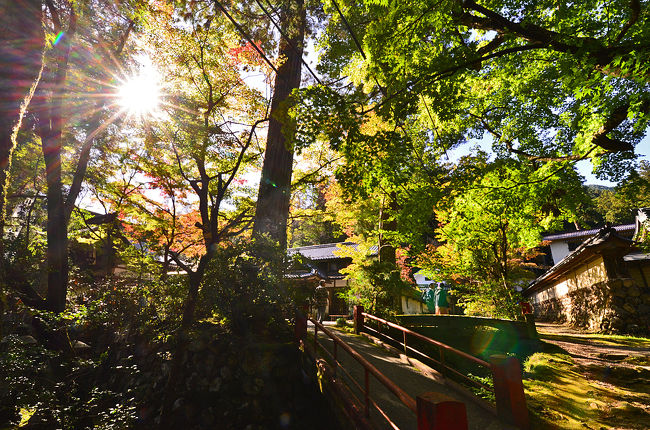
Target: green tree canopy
{"x": 546, "y": 80}
{"x": 491, "y": 222}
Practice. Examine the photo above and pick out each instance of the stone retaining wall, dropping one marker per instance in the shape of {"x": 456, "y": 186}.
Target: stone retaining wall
{"x": 615, "y": 306}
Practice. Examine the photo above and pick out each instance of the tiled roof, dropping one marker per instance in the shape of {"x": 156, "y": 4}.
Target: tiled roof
{"x": 325, "y": 251}
{"x": 587, "y": 233}
{"x": 302, "y": 274}
{"x": 601, "y": 237}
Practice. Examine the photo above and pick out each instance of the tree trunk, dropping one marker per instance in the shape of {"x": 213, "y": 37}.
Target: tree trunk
{"x": 57, "y": 232}
{"x": 189, "y": 307}
{"x": 21, "y": 51}
{"x": 387, "y": 224}
{"x": 165, "y": 264}
{"x": 109, "y": 252}
{"x": 274, "y": 194}
{"x": 50, "y": 112}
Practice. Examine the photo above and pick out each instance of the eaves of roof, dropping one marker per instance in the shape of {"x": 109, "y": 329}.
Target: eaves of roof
{"x": 586, "y": 233}
{"x": 325, "y": 251}
{"x": 606, "y": 238}
{"x": 301, "y": 275}
{"x": 313, "y": 272}
{"x": 637, "y": 256}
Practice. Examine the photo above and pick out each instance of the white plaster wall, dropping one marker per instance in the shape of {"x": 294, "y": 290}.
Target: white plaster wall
{"x": 419, "y": 279}
{"x": 583, "y": 276}
{"x": 559, "y": 250}
{"x": 411, "y": 306}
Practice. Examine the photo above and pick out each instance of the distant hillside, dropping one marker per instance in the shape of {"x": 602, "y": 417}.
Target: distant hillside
{"x": 597, "y": 189}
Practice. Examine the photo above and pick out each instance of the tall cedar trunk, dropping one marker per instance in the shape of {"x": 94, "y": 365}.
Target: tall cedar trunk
{"x": 57, "y": 237}
{"x": 274, "y": 194}
{"x": 21, "y": 50}
{"x": 50, "y": 111}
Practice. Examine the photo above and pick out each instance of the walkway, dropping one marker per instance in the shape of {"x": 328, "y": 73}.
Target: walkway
{"x": 407, "y": 378}
{"x": 595, "y": 349}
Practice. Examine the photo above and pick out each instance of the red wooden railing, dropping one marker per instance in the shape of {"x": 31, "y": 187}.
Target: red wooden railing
{"x": 441, "y": 348}
{"x": 507, "y": 387}
{"x": 369, "y": 369}
{"x": 433, "y": 411}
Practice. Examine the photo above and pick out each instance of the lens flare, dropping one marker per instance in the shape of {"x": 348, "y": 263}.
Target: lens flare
{"x": 58, "y": 38}
{"x": 140, "y": 95}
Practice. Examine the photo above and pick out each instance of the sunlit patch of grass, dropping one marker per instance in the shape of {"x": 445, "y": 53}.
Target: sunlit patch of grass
{"x": 639, "y": 360}
{"x": 543, "y": 367}
{"x": 563, "y": 395}
{"x": 344, "y": 326}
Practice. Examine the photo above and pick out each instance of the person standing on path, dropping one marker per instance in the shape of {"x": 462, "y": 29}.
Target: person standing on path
{"x": 321, "y": 297}
{"x": 428, "y": 297}
{"x": 441, "y": 298}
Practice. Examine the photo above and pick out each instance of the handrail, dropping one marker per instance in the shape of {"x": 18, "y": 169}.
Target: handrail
{"x": 407, "y": 400}
{"x": 361, "y": 389}
{"x": 429, "y": 340}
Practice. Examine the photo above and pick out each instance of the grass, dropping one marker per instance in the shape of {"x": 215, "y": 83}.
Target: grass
{"x": 564, "y": 395}
{"x": 639, "y": 360}
{"x": 344, "y": 326}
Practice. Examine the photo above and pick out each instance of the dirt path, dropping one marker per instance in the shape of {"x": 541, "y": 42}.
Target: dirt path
{"x": 589, "y": 349}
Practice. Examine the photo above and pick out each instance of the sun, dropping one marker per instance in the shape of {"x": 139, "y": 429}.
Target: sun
{"x": 140, "y": 95}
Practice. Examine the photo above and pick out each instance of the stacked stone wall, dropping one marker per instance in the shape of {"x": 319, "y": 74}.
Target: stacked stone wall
{"x": 615, "y": 306}
{"x": 552, "y": 310}
{"x": 630, "y": 308}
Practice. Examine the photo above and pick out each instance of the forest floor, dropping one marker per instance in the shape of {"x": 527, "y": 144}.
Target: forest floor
{"x": 585, "y": 380}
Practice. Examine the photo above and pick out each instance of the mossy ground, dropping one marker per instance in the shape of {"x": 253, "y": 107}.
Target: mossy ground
{"x": 563, "y": 394}
{"x": 603, "y": 339}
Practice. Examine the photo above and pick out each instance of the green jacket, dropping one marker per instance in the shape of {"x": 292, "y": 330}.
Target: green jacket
{"x": 321, "y": 296}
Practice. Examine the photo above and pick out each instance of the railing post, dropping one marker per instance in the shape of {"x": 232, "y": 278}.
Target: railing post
{"x": 532, "y": 329}
{"x": 358, "y": 319}
{"x": 509, "y": 391}
{"x": 300, "y": 328}
{"x": 437, "y": 411}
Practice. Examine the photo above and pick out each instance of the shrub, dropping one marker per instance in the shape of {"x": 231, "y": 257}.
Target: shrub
{"x": 245, "y": 286}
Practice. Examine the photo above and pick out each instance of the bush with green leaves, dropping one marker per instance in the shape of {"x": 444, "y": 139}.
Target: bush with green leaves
{"x": 127, "y": 305}
{"x": 375, "y": 285}
{"x": 488, "y": 299}
{"x": 245, "y": 286}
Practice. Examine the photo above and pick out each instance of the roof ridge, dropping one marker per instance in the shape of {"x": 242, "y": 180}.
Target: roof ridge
{"x": 602, "y": 234}
{"x": 590, "y": 231}
{"x": 323, "y": 245}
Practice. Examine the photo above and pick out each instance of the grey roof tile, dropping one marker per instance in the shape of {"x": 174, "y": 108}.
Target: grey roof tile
{"x": 602, "y": 236}
{"x": 586, "y": 233}
{"x": 325, "y": 251}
